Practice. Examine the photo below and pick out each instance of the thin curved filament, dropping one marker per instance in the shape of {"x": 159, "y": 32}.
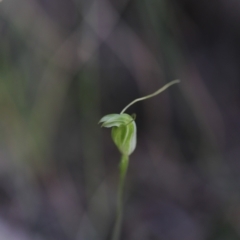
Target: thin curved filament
{"x": 151, "y": 95}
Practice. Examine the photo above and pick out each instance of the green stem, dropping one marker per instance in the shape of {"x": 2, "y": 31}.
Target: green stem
{"x": 151, "y": 95}
{"x": 123, "y": 171}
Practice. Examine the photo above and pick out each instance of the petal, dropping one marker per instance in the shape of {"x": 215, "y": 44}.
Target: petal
{"x": 115, "y": 120}
{"x": 125, "y": 138}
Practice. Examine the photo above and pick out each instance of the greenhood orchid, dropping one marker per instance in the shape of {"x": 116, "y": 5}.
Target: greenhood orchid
{"x": 124, "y": 135}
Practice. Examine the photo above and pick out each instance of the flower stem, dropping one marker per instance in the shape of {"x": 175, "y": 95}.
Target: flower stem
{"x": 123, "y": 171}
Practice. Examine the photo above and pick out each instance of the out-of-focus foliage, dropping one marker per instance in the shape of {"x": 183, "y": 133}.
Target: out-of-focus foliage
{"x": 66, "y": 63}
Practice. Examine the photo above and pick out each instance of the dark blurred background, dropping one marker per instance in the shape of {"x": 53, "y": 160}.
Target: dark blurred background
{"x": 66, "y": 63}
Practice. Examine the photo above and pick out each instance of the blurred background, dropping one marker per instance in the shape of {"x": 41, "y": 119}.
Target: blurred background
{"x": 66, "y": 63}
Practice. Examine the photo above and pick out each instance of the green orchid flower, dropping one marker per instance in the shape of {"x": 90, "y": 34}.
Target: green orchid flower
{"x": 124, "y": 131}
{"x": 124, "y": 135}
